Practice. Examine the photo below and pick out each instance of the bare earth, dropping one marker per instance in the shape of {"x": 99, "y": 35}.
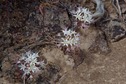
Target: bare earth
{"x": 101, "y": 69}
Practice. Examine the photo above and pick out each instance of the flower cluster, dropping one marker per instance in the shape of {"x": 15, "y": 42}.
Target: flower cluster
{"x": 83, "y": 14}
{"x": 29, "y": 64}
{"x": 70, "y": 38}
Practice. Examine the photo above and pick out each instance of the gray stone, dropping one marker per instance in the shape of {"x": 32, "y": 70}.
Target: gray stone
{"x": 115, "y": 31}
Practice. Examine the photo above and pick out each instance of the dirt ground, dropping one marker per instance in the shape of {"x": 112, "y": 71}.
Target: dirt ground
{"x": 101, "y": 69}
{"x": 34, "y": 25}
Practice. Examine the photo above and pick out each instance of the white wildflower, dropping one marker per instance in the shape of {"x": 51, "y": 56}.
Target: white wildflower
{"x": 27, "y": 63}
{"x": 66, "y": 32}
{"x": 32, "y": 58}
{"x": 83, "y": 14}
{"x": 70, "y": 38}
{"x": 33, "y": 68}
{"x": 22, "y": 67}
{"x": 65, "y": 42}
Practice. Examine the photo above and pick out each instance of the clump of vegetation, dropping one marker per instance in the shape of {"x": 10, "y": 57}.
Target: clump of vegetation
{"x": 69, "y": 39}
{"x": 83, "y": 17}
{"x": 29, "y": 64}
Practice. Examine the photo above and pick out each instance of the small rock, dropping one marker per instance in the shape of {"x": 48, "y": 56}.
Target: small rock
{"x": 115, "y": 31}
{"x": 100, "y": 45}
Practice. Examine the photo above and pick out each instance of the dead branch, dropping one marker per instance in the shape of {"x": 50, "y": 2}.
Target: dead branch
{"x": 99, "y": 10}
{"x": 116, "y": 5}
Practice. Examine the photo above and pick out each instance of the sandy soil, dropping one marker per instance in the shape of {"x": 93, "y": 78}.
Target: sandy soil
{"x": 101, "y": 69}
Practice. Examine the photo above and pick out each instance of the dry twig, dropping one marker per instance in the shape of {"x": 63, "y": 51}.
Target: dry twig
{"x": 99, "y": 10}
{"x": 116, "y": 5}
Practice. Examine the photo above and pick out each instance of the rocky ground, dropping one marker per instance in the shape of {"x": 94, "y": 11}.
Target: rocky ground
{"x": 34, "y": 24}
